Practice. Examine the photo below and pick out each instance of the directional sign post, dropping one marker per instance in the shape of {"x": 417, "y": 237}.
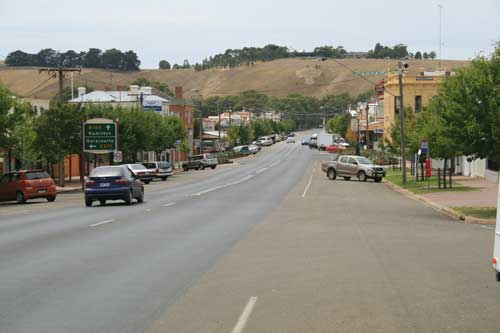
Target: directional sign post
{"x": 99, "y": 136}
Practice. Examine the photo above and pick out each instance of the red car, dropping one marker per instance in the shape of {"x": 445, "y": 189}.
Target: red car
{"x": 334, "y": 149}
{"x": 27, "y": 184}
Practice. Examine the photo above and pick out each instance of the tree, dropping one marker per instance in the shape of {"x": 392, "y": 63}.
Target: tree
{"x": 336, "y": 103}
{"x": 47, "y": 57}
{"x": 432, "y": 55}
{"x": 93, "y": 58}
{"x": 6, "y": 103}
{"x": 418, "y": 55}
{"x": 70, "y": 59}
{"x": 339, "y": 124}
{"x": 130, "y": 61}
{"x": 164, "y": 64}
{"x": 112, "y": 58}
{"x": 19, "y": 58}
{"x": 426, "y": 55}
{"x": 468, "y": 104}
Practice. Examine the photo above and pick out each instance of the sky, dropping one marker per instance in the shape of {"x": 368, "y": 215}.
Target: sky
{"x": 195, "y": 29}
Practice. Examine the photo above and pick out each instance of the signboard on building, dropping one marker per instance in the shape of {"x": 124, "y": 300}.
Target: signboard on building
{"x": 153, "y": 105}
{"x": 99, "y": 136}
{"x": 354, "y": 124}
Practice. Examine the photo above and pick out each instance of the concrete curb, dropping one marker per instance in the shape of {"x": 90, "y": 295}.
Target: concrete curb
{"x": 441, "y": 209}
{"x": 68, "y": 190}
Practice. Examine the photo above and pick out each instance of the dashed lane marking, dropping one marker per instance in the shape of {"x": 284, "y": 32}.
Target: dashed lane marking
{"x": 261, "y": 170}
{"x": 169, "y": 204}
{"x": 102, "y": 222}
{"x": 247, "y": 311}
{"x": 308, "y": 184}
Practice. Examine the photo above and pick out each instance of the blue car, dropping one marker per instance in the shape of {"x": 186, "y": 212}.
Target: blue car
{"x": 113, "y": 183}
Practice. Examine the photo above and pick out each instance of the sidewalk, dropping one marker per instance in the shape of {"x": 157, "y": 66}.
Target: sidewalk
{"x": 484, "y": 196}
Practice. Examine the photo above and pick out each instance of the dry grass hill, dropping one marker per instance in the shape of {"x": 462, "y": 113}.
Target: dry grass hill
{"x": 311, "y": 77}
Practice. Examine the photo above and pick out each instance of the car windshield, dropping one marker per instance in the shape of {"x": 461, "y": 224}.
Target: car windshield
{"x": 36, "y": 175}
{"x": 149, "y": 165}
{"x": 364, "y": 160}
{"x": 109, "y": 171}
{"x": 137, "y": 167}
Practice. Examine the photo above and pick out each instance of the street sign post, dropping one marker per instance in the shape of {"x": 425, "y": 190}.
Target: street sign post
{"x": 100, "y": 136}
{"x": 118, "y": 156}
{"x": 425, "y": 147}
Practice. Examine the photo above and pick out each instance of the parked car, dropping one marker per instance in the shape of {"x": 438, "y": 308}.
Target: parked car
{"x": 23, "y": 185}
{"x": 348, "y": 166}
{"x": 305, "y": 142}
{"x": 290, "y": 139}
{"x": 254, "y": 148}
{"x": 264, "y": 141}
{"x": 243, "y": 150}
{"x": 113, "y": 183}
{"x": 161, "y": 170}
{"x": 334, "y": 148}
{"x": 141, "y": 172}
{"x": 202, "y": 161}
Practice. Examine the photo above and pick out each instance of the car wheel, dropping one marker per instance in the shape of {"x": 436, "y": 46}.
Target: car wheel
{"x": 213, "y": 166}
{"x": 164, "y": 178}
{"x": 377, "y": 179}
{"x": 51, "y": 198}
{"x": 140, "y": 198}
{"x": 347, "y": 178}
{"x": 128, "y": 198}
{"x": 20, "y": 198}
{"x": 185, "y": 168}
{"x": 332, "y": 174}
{"x": 197, "y": 168}
{"x": 362, "y": 176}
{"x": 102, "y": 202}
{"x": 498, "y": 277}
{"x": 202, "y": 166}
{"x": 147, "y": 181}
{"x": 88, "y": 202}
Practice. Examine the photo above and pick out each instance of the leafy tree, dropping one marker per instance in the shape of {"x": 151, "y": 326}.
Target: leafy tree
{"x": 93, "y": 58}
{"x": 6, "y": 103}
{"x": 432, "y": 55}
{"x": 70, "y": 59}
{"x": 336, "y": 103}
{"x": 164, "y": 64}
{"x": 418, "y": 55}
{"x": 112, "y": 58}
{"x": 468, "y": 104}
{"x": 364, "y": 97}
{"x": 47, "y": 57}
{"x": 130, "y": 61}
{"x": 339, "y": 124}
{"x": 426, "y": 55}
{"x": 19, "y": 58}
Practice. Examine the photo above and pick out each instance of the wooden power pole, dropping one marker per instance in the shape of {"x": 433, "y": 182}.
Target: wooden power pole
{"x": 60, "y": 72}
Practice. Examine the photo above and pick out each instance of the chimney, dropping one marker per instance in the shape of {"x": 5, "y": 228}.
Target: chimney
{"x": 178, "y": 92}
{"x": 81, "y": 91}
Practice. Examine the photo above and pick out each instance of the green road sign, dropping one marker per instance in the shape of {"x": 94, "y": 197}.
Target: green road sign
{"x": 99, "y": 136}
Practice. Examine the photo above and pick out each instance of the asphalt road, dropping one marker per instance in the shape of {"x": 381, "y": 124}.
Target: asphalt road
{"x": 68, "y": 268}
{"x": 269, "y": 245}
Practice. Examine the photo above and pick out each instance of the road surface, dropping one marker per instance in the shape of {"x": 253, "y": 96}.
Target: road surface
{"x": 270, "y": 245}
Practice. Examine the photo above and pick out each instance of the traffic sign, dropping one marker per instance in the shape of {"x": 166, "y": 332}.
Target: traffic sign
{"x": 118, "y": 156}
{"x": 425, "y": 147}
{"x": 99, "y": 136}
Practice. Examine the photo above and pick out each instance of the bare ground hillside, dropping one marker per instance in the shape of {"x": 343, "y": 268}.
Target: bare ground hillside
{"x": 310, "y": 77}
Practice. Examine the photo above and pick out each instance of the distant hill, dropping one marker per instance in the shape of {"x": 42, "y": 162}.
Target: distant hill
{"x": 311, "y": 77}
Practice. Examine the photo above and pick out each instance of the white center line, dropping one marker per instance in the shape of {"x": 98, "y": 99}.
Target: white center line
{"x": 308, "y": 184}
{"x": 261, "y": 170}
{"x": 242, "y": 321}
{"x": 99, "y": 223}
{"x": 169, "y": 204}
{"x": 275, "y": 163}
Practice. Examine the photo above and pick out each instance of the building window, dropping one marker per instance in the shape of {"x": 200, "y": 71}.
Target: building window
{"x": 397, "y": 104}
{"x": 418, "y": 103}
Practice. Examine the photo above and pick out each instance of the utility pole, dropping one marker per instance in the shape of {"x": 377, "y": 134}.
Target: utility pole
{"x": 366, "y": 133}
{"x": 60, "y": 72}
{"x": 440, "y": 33}
{"x": 357, "y": 135}
{"x": 201, "y": 127}
{"x": 218, "y": 114}
{"x": 401, "y": 118}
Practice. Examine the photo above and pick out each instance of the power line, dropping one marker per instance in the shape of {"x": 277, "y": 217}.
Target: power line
{"x": 34, "y": 91}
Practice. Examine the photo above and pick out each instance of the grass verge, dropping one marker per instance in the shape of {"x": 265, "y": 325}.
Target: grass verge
{"x": 422, "y": 187}
{"x": 487, "y": 213}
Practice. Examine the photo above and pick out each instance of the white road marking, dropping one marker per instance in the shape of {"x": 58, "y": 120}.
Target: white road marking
{"x": 169, "y": 204}
{"x": 242, "y": 321}
{"x": 288, "y": 153}
{"x": 261, "y": 170}
{"x": 308, "y": 184}
{"x": 222, "y": 186}
{"x": 148, "y": 210}
{"x": 275, "y": 163}
{"x": 99, "y": 223}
